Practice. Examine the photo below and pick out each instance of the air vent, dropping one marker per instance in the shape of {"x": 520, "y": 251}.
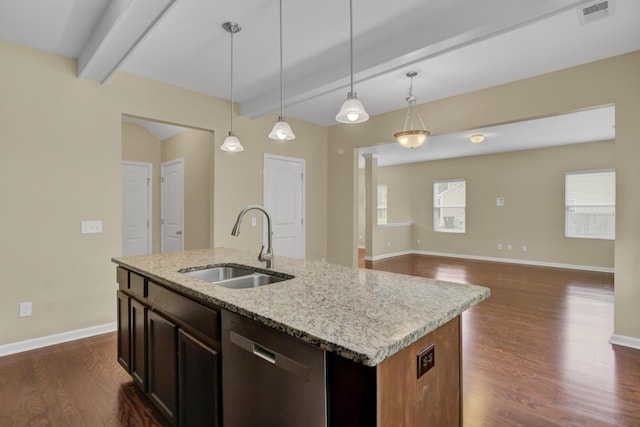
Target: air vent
{"x": 595, "y": 10}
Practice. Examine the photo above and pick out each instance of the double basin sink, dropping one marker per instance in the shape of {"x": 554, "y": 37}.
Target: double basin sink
{"x": 236, "y": 276}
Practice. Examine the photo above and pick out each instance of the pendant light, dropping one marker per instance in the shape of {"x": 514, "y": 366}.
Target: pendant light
{"x": 281, "y": 130}
{"x": 412, "y": 138}
{"x": 352, "y": 110}
{"x": 231, "y": 142}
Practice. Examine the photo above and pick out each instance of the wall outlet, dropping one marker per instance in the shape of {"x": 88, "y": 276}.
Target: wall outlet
{"x": 500, "y": 246}
{"x": 25, "y": 309}
{"x": 89, "y": 227}
{"x": 426, "y": 359}
{"x": 524, "y": 248}
{"x": 388, "y": 242}
{"x": 509, "y": 247}
{"x": 499, "y": 201}
{"x": 418, "y": 241}
{"x": 254, "y": 222}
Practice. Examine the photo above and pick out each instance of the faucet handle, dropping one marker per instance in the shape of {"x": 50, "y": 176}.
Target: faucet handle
{"x": 266, "y": 257}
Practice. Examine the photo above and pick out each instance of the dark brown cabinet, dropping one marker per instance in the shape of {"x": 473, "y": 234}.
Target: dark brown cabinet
{"x": 170, "y": 345}
{"x": 138, "y": 333}
{"x": 163, "y": 368}
{"x": 199, "y": 375}
{"x": 124, "y": 343}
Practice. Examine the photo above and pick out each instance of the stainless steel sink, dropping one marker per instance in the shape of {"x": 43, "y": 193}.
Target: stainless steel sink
{"x": 236, "y": 276}
{"x": 216, "y": 274}
{"x": 252, "y": 281}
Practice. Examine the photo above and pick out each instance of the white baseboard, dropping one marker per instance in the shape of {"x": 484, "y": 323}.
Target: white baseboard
{"x": 32, "y": 344}
{"x": 494, "y": 259}
{"x": 391, "y": 255}
{"x": 625, "y": 341}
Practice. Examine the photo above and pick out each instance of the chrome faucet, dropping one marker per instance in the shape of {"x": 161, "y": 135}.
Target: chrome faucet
{"x": 262, "y": 256}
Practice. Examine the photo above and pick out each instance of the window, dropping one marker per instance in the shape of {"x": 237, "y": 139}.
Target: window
{"x": 449, "y": 206}
{"x": 590, "y": 204}
{"x": 382, "y": 204}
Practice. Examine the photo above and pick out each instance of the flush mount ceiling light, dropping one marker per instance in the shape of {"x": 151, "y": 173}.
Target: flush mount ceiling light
{"x": 476, "y": 138}
{"x": 281, "y": 130}
{"x": 352, "y": 110}
{"x": 231, "y": 142}
{"x": 411, "y": 138}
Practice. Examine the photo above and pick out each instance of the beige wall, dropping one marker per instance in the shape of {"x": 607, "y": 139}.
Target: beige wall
{"x": 139, "y": 145}
{"x": 238, "y": 182}
{"x": 532, "y": 183}
{"x": 611, "y": 81}
{"x": 197, "y": 150}
{"x": 60, "y": 157}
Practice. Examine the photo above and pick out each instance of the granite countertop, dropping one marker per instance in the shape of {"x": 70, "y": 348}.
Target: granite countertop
{"x": 362, "y": 315}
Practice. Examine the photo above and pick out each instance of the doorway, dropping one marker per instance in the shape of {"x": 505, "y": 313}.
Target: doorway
{"x": 145, "y": 140}
{"x": 172, "y": 205}
{"x": 136, "y": 208}
{"x": 284, "y": 199}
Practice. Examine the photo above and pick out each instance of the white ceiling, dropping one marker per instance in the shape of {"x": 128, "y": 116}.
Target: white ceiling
{"x": 456, "y": 46}
{"x": 574, "y": 128}
{"x": 160, "y": 130}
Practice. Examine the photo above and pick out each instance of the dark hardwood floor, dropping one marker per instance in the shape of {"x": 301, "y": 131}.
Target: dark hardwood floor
{"x": 78, "y": 383}
{"x": 536, "y": 353}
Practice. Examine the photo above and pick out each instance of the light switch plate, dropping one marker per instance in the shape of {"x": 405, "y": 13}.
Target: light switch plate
{"x": 91, "y": 227}
{"x": 25, "y": 309}
{"x": 500, "y": 201}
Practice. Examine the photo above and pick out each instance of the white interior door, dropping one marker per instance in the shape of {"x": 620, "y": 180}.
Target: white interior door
{"x": 172, "y": 190}
{"x": 284, "y": 196}
{"x": 136, "y": 208}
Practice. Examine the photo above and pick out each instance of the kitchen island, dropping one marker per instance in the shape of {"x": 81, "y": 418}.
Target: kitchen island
{"x": 374, "y": 330}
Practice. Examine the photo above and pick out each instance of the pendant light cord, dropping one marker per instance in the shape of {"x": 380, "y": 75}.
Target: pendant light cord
{"x": 411, "y": 100}
{"x": 281, "y": 84}
{"x": 231, "y": 131}
{"x": 351, "y": 40}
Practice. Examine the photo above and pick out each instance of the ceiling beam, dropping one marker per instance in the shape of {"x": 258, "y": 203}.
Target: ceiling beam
{"x": 123, "y": 25}
{"x": 387, "y": 51}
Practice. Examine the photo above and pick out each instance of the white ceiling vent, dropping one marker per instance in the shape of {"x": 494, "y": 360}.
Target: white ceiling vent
{"x": 595, "y": 10}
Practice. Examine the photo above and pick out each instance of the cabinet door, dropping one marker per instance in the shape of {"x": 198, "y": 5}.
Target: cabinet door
{"x": 124, "y": 336}
{"x": 138, "y": 332}
{"x": 163, "y": 368}
{"x": 199, "y": 383}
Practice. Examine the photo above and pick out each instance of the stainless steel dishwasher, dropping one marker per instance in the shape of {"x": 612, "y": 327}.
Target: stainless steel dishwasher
{"x": 269, "y": 378}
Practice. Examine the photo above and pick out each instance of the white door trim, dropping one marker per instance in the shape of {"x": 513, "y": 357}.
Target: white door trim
{"x": 162, "y": 202}
{"x": 149, "y": 167}
{"x": 302, "y": 162}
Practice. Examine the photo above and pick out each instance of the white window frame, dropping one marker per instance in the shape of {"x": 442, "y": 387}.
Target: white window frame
{"x": 382, "y": 205}
{"x": 437, "y": 205}
{"x": 571, "y": 204}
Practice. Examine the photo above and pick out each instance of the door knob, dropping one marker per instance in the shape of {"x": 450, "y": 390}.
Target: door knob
{"x": 179, "y": 232}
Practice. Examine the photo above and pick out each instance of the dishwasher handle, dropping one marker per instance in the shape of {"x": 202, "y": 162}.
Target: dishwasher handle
{"x": 281, "y": 361}
{"x": 264, "y": 353}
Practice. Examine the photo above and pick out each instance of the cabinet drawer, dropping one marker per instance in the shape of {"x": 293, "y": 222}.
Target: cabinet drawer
{"x": 122, "y": 277}
{"x": 136, "y": 285}
{"x": 191, "y": 315}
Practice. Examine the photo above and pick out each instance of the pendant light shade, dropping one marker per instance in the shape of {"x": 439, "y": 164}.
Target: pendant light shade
{"x": 411, "y": 137}
{"x": 281, "y": 130}
{"x": 352, "y": 110}
{"x": 231, "y": 143}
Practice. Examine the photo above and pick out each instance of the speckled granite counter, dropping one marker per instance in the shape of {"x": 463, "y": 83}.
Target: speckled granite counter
{"x": 362, "y": 315}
